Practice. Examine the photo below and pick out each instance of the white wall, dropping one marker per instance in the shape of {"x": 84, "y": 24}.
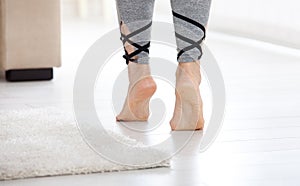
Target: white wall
{"x": 274, "y": 21}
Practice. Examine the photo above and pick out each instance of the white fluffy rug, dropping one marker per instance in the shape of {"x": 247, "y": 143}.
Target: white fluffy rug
{"x": 46, "y": 142}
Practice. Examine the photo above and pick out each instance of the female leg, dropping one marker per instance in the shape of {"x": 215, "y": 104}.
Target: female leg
{"x": 135, "y": 18}
{"x": 190, "y": 18}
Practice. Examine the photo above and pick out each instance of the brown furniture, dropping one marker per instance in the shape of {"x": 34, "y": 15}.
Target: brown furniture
{"x": 29, "y": 39}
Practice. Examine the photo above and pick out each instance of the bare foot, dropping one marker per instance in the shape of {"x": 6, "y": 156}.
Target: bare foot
{"x": 188, "y": 113}
{"x": 140, "y": 90}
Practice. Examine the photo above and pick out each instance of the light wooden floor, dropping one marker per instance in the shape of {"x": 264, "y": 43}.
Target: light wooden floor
{"x": 260, "y": 140}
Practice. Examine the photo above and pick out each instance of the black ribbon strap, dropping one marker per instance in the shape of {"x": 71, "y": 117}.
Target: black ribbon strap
{"x": 140, "y": 48}
{"x": 193, "y": 43}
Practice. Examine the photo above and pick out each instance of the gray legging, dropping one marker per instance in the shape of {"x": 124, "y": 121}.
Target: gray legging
{"x": 189, "y": 16}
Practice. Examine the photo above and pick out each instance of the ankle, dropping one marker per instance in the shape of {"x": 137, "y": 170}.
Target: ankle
{"x": 138, "y": 71}
{"x": 189, "y": 71}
